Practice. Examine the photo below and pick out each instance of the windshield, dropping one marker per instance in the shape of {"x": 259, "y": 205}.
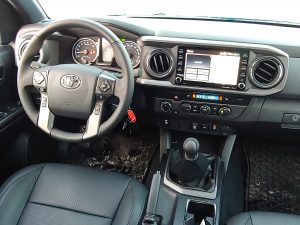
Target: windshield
{"x": 266, "y": 10}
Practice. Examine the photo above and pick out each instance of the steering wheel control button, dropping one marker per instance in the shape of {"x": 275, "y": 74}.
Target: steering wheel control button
{"x": 205, "y": 110}
{"x": 104, "y": 86}
{"x": 225, "y": 111}
{"x": 186, "y": 108}
{"x": 38, "y": 77}
{"x": 165, "y": 106}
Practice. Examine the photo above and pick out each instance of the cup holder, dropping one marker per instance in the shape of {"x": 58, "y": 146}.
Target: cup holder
{"x": 199, "y": 213}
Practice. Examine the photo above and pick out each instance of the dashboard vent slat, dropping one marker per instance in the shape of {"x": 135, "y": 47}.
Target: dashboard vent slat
{"x": 266, "y": 72}
{"x": 159, "y": 63}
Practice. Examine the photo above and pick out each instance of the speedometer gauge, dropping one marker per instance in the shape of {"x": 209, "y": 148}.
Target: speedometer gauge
{"x": 85, "y": 51}
{"x": 134, "y": 52}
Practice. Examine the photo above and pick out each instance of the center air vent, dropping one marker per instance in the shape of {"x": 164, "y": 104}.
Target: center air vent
{"x": 266, "y": 72}
{"x": 160, "y": 63}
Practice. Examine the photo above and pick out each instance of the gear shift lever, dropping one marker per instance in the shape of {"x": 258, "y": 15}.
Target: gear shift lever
{"x": 192, "y": 169}
{"x": 191, "y": 149}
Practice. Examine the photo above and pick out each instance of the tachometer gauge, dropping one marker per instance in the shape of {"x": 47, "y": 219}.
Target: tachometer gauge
{"x": 85, "y": 51}
{"x": 134, "y": 52}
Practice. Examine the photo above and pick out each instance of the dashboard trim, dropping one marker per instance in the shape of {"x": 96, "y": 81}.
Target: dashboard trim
{"x": 168, "y": 84}
{"x": 149, "y": 43}
{"x": 187, "y": 41}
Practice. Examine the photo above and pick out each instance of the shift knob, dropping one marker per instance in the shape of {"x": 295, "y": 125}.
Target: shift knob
{"x": 191, "y": 149}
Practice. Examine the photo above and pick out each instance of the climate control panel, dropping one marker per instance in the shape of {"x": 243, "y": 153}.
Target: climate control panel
{"x": 182, "y": 108}
{"x": 195, "y": 108}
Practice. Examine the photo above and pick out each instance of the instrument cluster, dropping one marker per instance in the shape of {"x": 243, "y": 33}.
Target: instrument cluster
{"x": 98, "y": 51}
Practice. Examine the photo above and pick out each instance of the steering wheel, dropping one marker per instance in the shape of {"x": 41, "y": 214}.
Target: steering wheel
{"x": 73, "y": 90}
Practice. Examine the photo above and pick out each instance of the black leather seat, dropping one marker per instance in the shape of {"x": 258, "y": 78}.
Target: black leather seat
{"x": 264, "y": 218}
{"x": 58, "y": 194}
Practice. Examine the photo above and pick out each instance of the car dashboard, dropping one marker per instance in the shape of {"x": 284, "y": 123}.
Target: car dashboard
{"x": 221, "y": 78}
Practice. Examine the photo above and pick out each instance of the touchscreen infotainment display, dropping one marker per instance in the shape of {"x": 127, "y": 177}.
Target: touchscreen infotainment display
{"x": 210, "y": 66}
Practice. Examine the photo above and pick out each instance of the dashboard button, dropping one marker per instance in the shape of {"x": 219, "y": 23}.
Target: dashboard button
{"x": 186, "y": 108}
{"x": 175, "y": 112}
{"x": 195, "y": 126}
{"x": 225, "y": 111}
{"x": 241, "y": 86}
{"x": 205, "y": 127}
{"x": 215, "y": 110}
{"x": 205, "y": 109}
{"x": 165, "y": 106}
{"x": 178, "y": 80}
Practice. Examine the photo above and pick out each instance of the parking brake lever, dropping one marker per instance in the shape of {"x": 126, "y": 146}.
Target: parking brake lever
{"x": 151, "y": 218}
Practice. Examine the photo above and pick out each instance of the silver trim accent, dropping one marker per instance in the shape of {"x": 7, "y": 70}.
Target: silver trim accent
{"x": 180, "y": 41}
{"x": 140, "y": 52}
{"x": 46, "y": 117}
{"x": 191, "y": 159}
{"x": 255, "y": 64}
{"x": 178, "y": 80}
{"x": 148, "y": 69}
{"x": 93, "y": 123}
{"x": 168, "y": 84}
{"x": 188, "y": 191}
{"x": 241, "y": 85}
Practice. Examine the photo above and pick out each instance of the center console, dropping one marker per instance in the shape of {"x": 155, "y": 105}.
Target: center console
{"x": 201, "y": 93}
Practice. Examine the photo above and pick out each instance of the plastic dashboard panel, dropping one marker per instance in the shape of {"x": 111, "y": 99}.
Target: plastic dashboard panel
{"x": 266, "y": 105}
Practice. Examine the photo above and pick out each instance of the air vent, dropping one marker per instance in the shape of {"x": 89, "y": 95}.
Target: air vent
{"x": 266, "y": 72}
{"x": 160, "y": 63}
{"x": 37, "y": 57}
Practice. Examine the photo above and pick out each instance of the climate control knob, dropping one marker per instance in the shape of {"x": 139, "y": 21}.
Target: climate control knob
{"x": 165, "y": 106}
{"x": 186, "y": 108}
{"x": 225, "y": 111}
{"x": 205, "y": 109}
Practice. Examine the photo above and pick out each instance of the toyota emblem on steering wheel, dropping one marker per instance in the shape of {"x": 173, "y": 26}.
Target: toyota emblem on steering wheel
{"x": 70, "y": 81}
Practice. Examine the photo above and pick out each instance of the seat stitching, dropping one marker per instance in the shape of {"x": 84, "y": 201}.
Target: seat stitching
{"x": 31, "y": 193}
{"x": 72, "y": 210}
{"x": 122, "y": 198}
{"x": 250, "y": 218}
{"x": 132, "y": 206}
{"x": 247, "y": 220}
{"x": 4, "y": 190}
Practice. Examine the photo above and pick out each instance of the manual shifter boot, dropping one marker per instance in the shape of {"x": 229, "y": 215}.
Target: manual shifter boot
{"x": 192, "y": 172}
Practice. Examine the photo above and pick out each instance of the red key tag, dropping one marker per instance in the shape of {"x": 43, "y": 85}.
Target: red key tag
{"x": 131, "y": 116}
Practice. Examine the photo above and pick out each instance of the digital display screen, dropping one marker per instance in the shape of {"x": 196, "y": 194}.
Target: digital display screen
{"x": 207, "y": 97}
{"x": 217, "y": 67}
